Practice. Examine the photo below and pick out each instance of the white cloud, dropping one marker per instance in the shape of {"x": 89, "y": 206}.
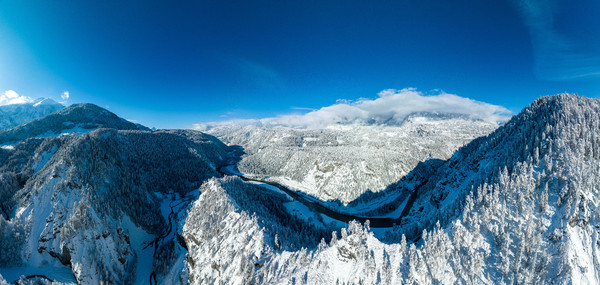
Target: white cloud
{"x": 560, "y": 54}
{"x": 390, "y": 108}
{"x": 12, "y": 97}
{"x": 65, "y": 95}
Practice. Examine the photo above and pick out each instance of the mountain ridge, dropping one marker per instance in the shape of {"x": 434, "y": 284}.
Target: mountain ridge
{"x": 519, "y": 205}
{"x": 96, "y": 193}
{"x": 76, "y": 118}
{"x": 16, "y": 114}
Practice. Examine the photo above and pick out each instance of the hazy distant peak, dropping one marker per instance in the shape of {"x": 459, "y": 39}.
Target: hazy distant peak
{"x": 44, "y": 101}
{"x": 12, "y": 115}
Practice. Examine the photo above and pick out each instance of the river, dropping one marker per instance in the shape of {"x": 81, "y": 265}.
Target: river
{"x": 374, "y": 222}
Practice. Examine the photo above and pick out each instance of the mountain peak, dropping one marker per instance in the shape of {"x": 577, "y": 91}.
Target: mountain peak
{"x": 76, "y": 118}
{"x": 44, "y": 101}
{"x": 559, "y": 98}
{"x": 558, "y": 103}
{"x": 89, "y": 108}
{"x": 16, "y": 114}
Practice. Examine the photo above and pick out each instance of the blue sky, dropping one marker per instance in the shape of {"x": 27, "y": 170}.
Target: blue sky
{"x": 171, "y": 64}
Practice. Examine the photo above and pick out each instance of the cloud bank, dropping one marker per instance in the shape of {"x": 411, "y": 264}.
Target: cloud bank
{"x": 560, "y": 53}
{"x": 12, "y": 97}
{"x": 392, "y": 107}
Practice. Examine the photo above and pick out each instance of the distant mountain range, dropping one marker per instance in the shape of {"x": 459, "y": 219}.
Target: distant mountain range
{"x": 17, "y": 114}
{"x": 118, "y": 203}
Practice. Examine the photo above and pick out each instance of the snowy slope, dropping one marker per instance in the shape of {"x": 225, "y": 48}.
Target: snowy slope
{"x": 77, "y": 118}
{"x": 234, "y": 239}
{"x": 234, "y": 228}
{"x": 516, "y": 206}
{"x": 529, "y": 190}
{"x": 341, "y": 162}
{"x": 92, "y": 203}
{"x": 17, "y": 114}
{"x": 519, "y": 205}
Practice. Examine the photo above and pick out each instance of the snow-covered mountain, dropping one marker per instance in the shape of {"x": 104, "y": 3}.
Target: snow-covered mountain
{"x": 98, "y": 206}
{"x": 342, "y": 161}
{"x": 519, "y": 205}
{"x": 516, "y": 206}
{"x": 77, "y": 118}
{"x": 17, "y": 114}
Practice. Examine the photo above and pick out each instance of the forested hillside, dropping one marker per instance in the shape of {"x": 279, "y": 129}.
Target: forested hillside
{"x": 91, "y": 203}
{"x": 517, "y": 206}
{"x": 342, "y": 161}
{"x": 122, "y": 206}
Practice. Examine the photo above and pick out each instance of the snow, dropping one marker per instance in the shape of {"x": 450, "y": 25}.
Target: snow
{"x": 341, "y": 162}
{"x": 139, "y": 239}
{"x": 301, "y": 211}
{"x": 393, "y": 214}
{"x": 44, "y": 101}
{"x": 43, "y": 159}
{"x": 165, "y": 206}
{"x": 36, "y": 215}
{"x": 293, "y": 184}
{"x": 39, "y": 263}
{"x": 271, "y": 188}
{"x": 231, "y": 170}
{"x": 483, "y": 224}
{"x": 58, "y": 273}
{"x": 74, "y": 131}
{"x": 333, "y": 222}
{"x": 17, "y": 114}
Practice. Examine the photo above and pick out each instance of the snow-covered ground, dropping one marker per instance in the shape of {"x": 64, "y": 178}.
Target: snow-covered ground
{"x": 139, "y": 239}
{"x": 85, "y": 208}
{"x": 519, "y": 206}
{"x": 341, "y": 162}
{"x": 57, "y": 272}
